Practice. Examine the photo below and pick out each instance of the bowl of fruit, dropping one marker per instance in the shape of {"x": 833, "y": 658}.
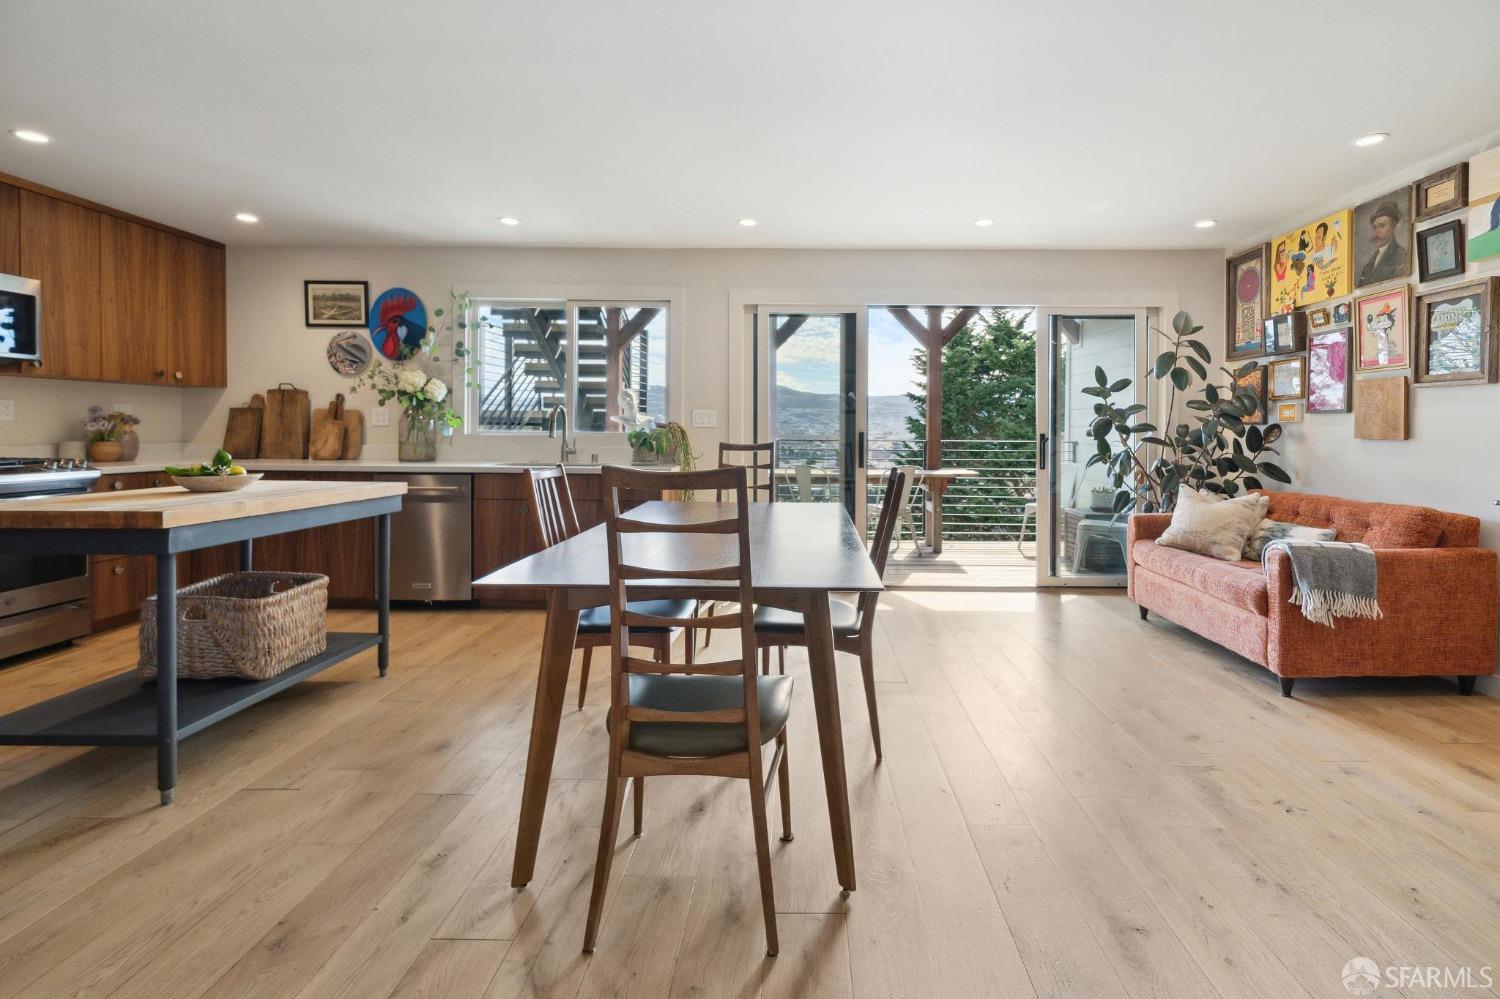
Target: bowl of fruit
{"x": 221, "y": 475}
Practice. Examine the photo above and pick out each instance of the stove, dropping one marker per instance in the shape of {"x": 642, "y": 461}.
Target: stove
{"x": 45, "y": 476}
{"x": 44, "y": 599}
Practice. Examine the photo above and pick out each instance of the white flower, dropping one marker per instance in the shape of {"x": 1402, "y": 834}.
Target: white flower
{"x": 435, "y": 390}
{"x": 411, "y": 380}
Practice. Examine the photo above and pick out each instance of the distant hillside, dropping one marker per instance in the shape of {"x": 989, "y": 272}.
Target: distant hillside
{"x": 816, "y": 415}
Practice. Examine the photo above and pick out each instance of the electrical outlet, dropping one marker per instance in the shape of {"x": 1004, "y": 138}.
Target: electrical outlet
{"x": 381, "y": 417}
{"x": 705, "y": 418}
{"x": 7, "y": 410}
{"x": 122, "y": 407}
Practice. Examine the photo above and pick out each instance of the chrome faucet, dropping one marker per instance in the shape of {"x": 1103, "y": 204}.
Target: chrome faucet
{"x": 560, "y": 412}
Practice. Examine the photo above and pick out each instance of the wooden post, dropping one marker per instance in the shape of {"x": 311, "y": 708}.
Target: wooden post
{"x": 614, "y": 349}
{"x": 934, "y": 386}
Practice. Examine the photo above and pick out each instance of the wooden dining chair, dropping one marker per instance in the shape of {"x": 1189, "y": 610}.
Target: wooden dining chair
{"x": 853, "y": 624}
{"x": 705, "y": 719}
{"x": 755, "y": 459}
{"x": 556, "y": 520}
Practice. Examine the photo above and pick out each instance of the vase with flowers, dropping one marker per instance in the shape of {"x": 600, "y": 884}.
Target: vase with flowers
{"x": 106, "y": 433}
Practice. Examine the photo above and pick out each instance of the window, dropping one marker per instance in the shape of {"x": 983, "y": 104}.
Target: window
{"x": 527, "y": 363}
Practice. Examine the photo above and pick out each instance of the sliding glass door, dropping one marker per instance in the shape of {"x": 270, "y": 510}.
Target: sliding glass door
{"x": 1080, "y": 539}
{"x": 810, "y": 397}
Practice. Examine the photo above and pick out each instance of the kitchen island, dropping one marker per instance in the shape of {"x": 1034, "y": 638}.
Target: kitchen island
{"x": 124, "y": 710}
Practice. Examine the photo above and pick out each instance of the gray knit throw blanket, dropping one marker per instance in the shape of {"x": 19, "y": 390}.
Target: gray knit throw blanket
{"x": 1330, "y": 578}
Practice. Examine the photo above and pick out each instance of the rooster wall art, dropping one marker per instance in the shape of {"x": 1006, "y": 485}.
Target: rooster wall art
{"x": 398, "y": 322}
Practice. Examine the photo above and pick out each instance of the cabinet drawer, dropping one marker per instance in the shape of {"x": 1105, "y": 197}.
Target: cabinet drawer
{"x": 501, "y": 486}
{"x": 131, "y": 480}
{"x": 115, "y": 589}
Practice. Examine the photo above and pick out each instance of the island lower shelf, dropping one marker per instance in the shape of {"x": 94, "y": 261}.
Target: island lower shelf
{"x": 121, "y": 710}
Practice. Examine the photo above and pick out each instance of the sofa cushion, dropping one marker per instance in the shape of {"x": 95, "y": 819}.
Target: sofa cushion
{"x": 1379, "y": 525}
{"x": 1211, "y": 525}
{"x": 1242, "y": 584}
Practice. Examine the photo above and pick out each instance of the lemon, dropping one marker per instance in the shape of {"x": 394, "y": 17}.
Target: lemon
{"x": 236, "y": 470}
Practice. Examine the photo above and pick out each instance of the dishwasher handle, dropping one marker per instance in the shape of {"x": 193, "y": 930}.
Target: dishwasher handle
{"x": 436, "y": 493}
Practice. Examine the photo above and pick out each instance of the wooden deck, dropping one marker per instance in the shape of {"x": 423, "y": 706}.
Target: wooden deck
{"x": 964, "y": 565}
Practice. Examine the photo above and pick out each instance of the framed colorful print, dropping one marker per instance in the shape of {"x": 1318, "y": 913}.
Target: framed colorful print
{"x": 1440, "y": 251}
{"x": 1484, "y": 205}
{"x": 1328, "y": 372}
{"x": 1254, "y": 380}
{"x": 1456, "y": 334}
{"x": 336, "y": 303}
{"x": 1246, "y": 303}
{"x": 1382, "y": 238}
{"x": 1288, "y": 412}
{"x": 349, "y": 353}
{"x": 1319, "y": 318}
{"x": 398, "y": 324}
{"x": 1442, "y": 192}
{"x": 1382, "y": 409}
{"x": 1311, "y": 264}
{"x": 1382, "y": 324}
{"x": 1288, "y": 378}
{"x": 1341, "y": 313}
{"x": 1286, "y": 334}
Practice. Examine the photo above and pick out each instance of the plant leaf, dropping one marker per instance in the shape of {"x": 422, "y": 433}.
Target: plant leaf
{"x": 1100, "y": 377}
{"x": 1271, "y": 470}
{"x": 1181, "y": 378}
{"x": 1197, "y": 347}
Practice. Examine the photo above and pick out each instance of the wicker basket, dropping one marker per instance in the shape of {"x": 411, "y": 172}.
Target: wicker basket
{"x": 251, "y": 625}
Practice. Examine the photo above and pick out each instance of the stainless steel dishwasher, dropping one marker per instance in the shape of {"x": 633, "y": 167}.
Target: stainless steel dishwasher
{"x": 431, "y": 538}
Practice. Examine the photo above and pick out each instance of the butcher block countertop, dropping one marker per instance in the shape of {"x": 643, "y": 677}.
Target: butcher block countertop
{"x": 174, "y": 506}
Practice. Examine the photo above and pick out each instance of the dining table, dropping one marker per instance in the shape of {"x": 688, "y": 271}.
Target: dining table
{"x": 799, "y": 554}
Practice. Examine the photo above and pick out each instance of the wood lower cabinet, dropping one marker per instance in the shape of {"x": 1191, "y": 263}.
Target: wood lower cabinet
{"x": 118, "y": 583}
{"x": 504, "y": 531}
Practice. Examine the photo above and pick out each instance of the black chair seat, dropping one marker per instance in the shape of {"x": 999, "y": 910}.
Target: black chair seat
{"x": 774, "y": 620}
{"x": 595, "y": 620}
{"x": 703, "y": 693}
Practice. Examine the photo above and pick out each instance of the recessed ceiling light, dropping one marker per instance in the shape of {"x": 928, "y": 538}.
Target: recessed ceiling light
{"x": 508, "y": 220}
{"x": 1373, "y": 139}
{"x": 983, "y": 222}
{"x": 747, "y": 223}
{"x": 1206, "y": 223}
{"x": 31, "y": 135}
{"x": 246, "y": 217}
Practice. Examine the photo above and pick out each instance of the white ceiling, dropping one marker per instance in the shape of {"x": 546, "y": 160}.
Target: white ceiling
{"x": 836, "y": 123}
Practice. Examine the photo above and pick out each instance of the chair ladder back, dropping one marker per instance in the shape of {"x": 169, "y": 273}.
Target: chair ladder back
{"x": 552, "y": 508}
{"x": 683, "y": 538}
{"x": 897, "y": 493}
{"x": 755, "y": 459}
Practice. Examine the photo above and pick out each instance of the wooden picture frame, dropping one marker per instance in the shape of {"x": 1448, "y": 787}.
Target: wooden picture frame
{"x": 1286, "y": 333}
{"x": 1255, "y": 380}
{"x": 335, "y": 303}
{"x": 1245, "y": 300}
{"x": 1442, "y": 192}
{"x": 1287, "y": 378}
{"x": 1467, "y": 314}
{"x": 1329, "y": 371}
{"x": 1382, "y": 329}
{"x": 1382, "y": 410}
{"x": 1319, "y": 318}
{"x": 1455, "y": 262}
{"x": 1289, "y": 412}
{"x": 1389, "y": 215}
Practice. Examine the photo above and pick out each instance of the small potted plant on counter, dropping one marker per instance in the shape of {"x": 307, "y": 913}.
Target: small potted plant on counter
{"x": 662, "y": 442}
{"x": 106, "y": 434}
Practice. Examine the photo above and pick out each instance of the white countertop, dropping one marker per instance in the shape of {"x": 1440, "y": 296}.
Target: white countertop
{"x": 359, "y": 465}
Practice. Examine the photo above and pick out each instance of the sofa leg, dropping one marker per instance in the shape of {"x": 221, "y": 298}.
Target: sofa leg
{"x": 1144, "y": 612}
{"x": 1286, "y": 685}
{"x": 1466, "y": 685}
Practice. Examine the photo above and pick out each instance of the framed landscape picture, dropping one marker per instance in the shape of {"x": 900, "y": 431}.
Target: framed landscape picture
{"x": 1442, "y": 192}
{"x": 1288, "y": 412}
{"x": 336, "y": 303}
{"x": 1319, "y": 318}
{"x": 1288, "y": 378}
{"x": 1382, "y": 326}
{"x": 1456, "y": 334}
{"x": 1382, "y": 238}
{"x": 1328, "y": 372}
{"x": 1312, "y": 263}
{"x": 1246, "y": 303}
{"x": 1484, "y": 205}
{"x": 1440, "y": 251}
{"x": 1255, "y": 381}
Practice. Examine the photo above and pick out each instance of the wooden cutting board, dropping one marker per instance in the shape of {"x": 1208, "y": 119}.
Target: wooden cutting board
{"x": 354, "y": 433}
{"x": 326, "y": 442}
{"x": 284, "y": 431}
{"x": 242, "y": 432}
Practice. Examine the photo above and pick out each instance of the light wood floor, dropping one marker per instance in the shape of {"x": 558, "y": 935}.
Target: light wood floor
{"x": 1072, "y": 803}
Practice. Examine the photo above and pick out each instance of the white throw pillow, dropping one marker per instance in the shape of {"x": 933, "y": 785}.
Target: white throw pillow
{"x": 1212, "y": 525}
{"x": 1270, "y": 530}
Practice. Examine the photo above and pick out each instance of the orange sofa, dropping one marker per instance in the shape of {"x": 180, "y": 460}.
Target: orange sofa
{"x": 1436, "y": 589}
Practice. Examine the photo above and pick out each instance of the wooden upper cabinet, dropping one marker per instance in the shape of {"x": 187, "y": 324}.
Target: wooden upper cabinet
{"x": 10, "y": 229}
{"x": 59, "y": 246}
{"x": 133, "y": 302}
{"x": 195, "y": 293}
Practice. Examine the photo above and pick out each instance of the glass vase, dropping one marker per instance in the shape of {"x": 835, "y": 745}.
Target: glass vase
{"x": 419, "y": 437}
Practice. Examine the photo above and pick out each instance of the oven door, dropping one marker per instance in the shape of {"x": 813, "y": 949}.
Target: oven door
{"x": 30, "y": 582}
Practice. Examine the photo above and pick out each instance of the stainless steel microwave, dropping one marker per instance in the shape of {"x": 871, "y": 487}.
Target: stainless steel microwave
{"x": 20, "y": 318}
